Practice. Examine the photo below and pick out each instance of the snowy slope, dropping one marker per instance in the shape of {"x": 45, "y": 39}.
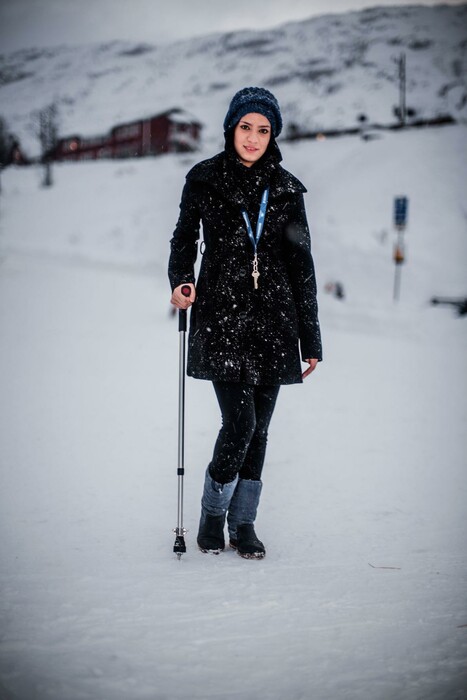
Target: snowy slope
{"x": 325, "y": 71}
{"x": 122, "y": 212}
{"x": 366, "y": 462}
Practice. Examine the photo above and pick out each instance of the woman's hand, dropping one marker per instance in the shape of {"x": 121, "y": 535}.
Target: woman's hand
{"x": 181, "y": 301}
{"x": 310, "y": 369}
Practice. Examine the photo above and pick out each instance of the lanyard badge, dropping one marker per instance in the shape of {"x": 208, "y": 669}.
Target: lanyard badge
{"x": 259, "y": 230}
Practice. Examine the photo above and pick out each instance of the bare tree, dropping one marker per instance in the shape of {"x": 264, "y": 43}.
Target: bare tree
{"x": 46, "y": 128}
{"x": 6, "y": 143}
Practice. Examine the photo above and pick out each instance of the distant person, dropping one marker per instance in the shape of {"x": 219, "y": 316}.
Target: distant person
{"x": 336, "y": 289}
{"x": 254, "y": 301}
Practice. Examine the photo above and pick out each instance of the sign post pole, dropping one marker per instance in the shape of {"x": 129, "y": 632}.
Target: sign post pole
{"x": 400, "y": 221}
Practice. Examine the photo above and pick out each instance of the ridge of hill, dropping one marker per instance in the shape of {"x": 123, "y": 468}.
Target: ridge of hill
{"x": 326, "y": 71}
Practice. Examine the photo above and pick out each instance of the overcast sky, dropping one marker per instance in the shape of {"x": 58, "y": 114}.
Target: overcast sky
{"x": 29, "y": 23}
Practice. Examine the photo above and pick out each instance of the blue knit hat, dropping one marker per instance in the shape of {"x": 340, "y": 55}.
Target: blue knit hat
{"x": 254, "y": 99}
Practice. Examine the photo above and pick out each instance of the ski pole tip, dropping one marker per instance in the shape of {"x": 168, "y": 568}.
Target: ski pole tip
{"x": 179, "y": 546}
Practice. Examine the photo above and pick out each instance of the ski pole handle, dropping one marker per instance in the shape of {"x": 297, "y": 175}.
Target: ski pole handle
{"x": 186, "y": 291}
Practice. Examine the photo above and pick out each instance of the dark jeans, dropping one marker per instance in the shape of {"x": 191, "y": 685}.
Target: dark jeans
{"x": 241, "y": 444}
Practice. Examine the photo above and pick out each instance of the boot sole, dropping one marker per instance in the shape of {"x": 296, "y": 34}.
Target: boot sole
{"x": 255, "y": 555}
{"x": 210, "y": 551}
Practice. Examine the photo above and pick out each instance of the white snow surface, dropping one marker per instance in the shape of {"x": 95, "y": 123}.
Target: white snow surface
{"x": 362, "y": 595}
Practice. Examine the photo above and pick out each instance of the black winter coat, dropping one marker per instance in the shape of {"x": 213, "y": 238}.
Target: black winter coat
{"x": 238, "y": 333}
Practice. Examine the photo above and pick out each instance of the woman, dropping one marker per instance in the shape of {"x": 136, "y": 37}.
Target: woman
{"x": 254, "y": 302}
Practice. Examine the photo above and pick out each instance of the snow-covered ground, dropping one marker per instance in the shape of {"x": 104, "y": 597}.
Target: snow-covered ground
{"x": 363, "y": 593}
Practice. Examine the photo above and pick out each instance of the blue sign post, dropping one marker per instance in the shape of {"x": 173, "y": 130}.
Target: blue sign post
{"x": 401, "y": 206}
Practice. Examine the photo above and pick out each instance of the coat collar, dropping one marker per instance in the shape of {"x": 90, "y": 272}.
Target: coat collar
{"x": 217, "y": 173}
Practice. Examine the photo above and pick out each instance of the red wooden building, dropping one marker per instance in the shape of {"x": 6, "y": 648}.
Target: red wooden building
{"x": 174, "y": 131}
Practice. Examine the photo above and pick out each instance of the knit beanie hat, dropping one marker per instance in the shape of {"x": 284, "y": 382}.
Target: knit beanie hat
{"x": 254, "y": 99}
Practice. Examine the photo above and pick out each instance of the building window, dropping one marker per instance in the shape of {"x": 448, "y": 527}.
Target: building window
{"x": 127, "y": 132}
{"x": 126, "y": 152}
{"x": 104, "y": 153}
{"x": 92, "y": 142}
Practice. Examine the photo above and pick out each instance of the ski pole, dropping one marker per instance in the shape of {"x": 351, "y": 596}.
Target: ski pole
{"x": 179, "y": 546}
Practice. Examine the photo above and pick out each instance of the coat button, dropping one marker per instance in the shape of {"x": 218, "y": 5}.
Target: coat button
{"x": 242, "y": 315}
{"x": 242, "y": 272}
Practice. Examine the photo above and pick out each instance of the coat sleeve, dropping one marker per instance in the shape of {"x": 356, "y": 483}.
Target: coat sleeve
{"x": 183, "y": 245}
{"x": 299, "y": 260}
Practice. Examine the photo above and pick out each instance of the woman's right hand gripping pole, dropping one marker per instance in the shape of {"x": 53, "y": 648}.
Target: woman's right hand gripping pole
{"x": 180, "y": 300}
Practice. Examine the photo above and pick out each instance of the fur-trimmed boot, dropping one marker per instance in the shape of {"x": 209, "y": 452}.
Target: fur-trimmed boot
{"x": 214, "y": 504}
{"x": 241, "y": 517}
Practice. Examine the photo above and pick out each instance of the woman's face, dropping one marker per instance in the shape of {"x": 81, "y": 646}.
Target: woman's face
{"x": 251, "y": 138}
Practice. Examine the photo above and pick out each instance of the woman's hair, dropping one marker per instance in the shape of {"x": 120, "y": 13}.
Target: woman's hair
{"x": 254, "y": 99}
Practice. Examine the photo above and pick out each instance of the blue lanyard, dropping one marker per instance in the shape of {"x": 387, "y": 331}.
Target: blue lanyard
{"x": 260, "y": 222}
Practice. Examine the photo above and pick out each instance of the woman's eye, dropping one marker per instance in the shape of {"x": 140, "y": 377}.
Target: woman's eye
{"x": 244, "y": 126}
{"x": 264, "y": 131}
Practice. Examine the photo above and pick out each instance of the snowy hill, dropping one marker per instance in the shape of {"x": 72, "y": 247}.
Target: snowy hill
{"x": 325, "y": 71}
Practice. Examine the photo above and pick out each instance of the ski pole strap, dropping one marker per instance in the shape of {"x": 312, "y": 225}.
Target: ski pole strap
{"x": 260, "y": 223}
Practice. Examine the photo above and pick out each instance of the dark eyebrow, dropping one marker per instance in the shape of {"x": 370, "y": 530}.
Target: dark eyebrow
{"x": 263, "y": 126}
